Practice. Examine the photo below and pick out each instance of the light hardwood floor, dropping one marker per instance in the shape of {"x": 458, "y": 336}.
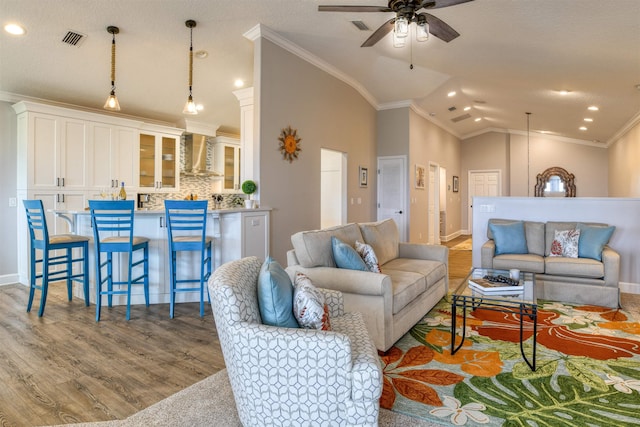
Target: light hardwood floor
{"x": 66, "y": 368}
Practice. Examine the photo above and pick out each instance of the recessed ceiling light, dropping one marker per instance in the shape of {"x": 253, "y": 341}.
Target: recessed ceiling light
{"x": 583, "y": 128}
{"x": 478, "y": 119}
{"x": 201, "y": 54}
{"x": 588, "y": 119}
{"x": 238, "y": 83}
{"x": 543, "y": 131}
{"x": 593, "y": 108}
{"x": 467, "y": 108}
{"x": 15, "y": 29}
{"x": 452, "y": 93}
{"x": 199, "y": 107}
{"x": 564, "y": 92}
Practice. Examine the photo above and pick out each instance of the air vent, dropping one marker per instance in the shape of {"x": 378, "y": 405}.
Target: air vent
{"x": 360, "y": 25}
{"x": 452, "y": 108}
{"x": 460, "y": 118}
{"x": 73, "y": 38}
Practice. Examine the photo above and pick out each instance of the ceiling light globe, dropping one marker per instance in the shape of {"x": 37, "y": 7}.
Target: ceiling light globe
{"x": 401, "y": 27}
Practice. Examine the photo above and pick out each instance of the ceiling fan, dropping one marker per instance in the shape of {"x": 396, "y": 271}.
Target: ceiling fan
{"x": 406, "y": 12}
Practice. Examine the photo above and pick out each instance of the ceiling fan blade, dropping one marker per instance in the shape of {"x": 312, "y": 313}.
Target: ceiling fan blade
{"x": 353, "y": 9}
{"x": 378, "y": 34}
{"x": 438, "y": 4}
{"x": 440, "y": 29}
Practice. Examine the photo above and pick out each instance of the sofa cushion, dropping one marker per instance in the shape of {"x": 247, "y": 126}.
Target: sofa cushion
{"x": 383, "y": 237}
{"x": 368, "y": 256}
{"x": 407, "y": 286}
{"x": 576, "y": 267}
{"x": 434, "y": 271}
{"x": 345, "y": 256}
{"x": 565, "y": 243}
{"x": 313, "y": 248}
{"x": 509, "y": 238}
{"x": 275, "y": 295}
{"x": 593, "y": 239}
{"x": 524, "y": 262}
{"x": 309, "y": 307}
{"x": 533, "y": 231}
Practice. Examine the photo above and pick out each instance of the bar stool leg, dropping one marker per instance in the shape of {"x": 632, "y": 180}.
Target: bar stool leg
{"x": 85, "y": 273}
{"x": 172, "y": 275}
{"x": 32, "y": 279}
{"x": 69, "y": 274}
{"x": 146, "y": 275}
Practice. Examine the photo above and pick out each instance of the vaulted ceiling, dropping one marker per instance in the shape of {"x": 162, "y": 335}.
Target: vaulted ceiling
{"x": 512, "y": 57}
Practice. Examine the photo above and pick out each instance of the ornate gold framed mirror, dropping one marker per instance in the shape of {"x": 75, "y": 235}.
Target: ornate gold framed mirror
{"x": 555, "y": 182}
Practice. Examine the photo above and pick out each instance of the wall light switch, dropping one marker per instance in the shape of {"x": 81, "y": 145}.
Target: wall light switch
{"x": 359, "y": 200}
{"x": 13, "y": 202}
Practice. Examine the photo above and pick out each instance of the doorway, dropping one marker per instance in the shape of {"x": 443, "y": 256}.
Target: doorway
{"x": 482, "y": 183}
{"x": 433, "y": 206}
{"x": 392, "y": 191}
{"x": 333, "y": 188}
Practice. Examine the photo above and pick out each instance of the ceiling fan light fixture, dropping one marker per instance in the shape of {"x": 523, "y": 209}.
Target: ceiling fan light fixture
{"x": 401, "y": 26}
{"x": 112, "y": 103}
{"x": 398, "y": 42}
{"x": 190, "y": 106}
{"x": 422, "y": 29}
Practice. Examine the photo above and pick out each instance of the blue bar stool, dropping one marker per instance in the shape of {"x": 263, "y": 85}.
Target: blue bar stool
{"x": 41, "y": 240}
{"x": 186, "y": 229}
{"x": 112, "y": 223}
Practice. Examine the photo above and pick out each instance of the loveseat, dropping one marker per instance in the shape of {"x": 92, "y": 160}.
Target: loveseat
{"x": 591, "y": 277}
{"x": 413, "y": 278}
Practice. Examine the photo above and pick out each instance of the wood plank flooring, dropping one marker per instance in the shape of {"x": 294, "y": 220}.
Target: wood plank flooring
{"x": 66, "y": 368}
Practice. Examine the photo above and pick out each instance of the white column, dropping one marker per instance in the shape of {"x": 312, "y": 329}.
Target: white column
{"x": 250, "y": 152}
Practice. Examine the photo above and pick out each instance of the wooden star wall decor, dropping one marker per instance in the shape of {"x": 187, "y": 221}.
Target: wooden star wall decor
{"x": 289, "y": 143}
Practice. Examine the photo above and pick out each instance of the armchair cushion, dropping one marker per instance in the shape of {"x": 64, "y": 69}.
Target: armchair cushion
{"x": 345, "y": 256}
{"x": 309, "y": 307}
{"x": 275, "y": 295}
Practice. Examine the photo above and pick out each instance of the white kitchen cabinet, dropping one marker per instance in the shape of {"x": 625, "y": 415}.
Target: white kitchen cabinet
{"x": 227, "y": 161}
{"x": 159, "y": 162}
{"x": 243, "y": 234}
{"x": 112, "y": 157}
{"x": 54, "y": 152}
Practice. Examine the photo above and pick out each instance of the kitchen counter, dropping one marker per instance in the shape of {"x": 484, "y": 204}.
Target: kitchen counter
{"x": 236, "y": 233}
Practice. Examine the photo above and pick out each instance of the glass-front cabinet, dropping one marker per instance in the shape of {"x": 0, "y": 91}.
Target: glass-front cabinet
{"x": 159, "y": 162}
{"x": 227, "y": 159}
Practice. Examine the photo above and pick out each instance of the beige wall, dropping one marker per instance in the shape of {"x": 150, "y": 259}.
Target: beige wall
{"x": 8, "y": 215}
{"x": 327, "y": 113}
{"x": 624, "y": 165}
{"x": 430, "y": 144}
{"x": 507, "y": 152}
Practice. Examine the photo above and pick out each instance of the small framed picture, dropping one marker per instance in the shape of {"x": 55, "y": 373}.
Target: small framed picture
{"x": 420, "y": 176}
{"x": 455, "y": 184}
{"x": 364, "y": 176}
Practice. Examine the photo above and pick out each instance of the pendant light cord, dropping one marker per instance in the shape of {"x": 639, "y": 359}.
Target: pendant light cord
{"x": 190, "y": 59}
{"x": 528, "y": 156}
{"x": 113, "y": 62}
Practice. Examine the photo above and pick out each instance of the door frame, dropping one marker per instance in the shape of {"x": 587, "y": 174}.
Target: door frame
{"x": 435, "y": 196}
{"x": 470, "y": 174}
{"x": 404, "y": 227}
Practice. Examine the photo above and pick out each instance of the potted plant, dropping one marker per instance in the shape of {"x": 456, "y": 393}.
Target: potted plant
{"x": 249, "y": 187}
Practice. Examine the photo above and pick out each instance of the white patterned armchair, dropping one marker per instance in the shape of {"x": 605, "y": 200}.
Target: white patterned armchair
{"x": 290, "y": 377}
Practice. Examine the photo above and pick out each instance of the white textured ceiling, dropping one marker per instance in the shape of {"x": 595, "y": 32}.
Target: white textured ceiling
{"x": 513, "y": 56}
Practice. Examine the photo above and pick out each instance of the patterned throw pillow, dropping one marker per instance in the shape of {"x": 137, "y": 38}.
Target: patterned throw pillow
{"x": 309, "y": 307}
{"x": 565, "y": 243}
{"x": 369, "y": 256}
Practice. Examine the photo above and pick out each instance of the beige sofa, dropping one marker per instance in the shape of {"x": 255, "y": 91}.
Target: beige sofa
{"x": 414, "y": 276}
{"x": 575, "y": 280}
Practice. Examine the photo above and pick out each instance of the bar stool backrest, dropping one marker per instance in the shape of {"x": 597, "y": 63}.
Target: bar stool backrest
{"x": 186, "y": 221}
{"x": 112, "y": 220}
{"x": 37, "y": 221}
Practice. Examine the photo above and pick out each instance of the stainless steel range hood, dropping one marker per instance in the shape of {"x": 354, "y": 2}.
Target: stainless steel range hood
{"x": 195, "y": 156}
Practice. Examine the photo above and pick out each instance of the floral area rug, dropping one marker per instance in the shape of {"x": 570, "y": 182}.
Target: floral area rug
{"x": 588, "y": 369}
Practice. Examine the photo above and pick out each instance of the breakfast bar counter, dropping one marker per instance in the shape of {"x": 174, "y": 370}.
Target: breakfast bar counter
{"x": 236, "y": 233}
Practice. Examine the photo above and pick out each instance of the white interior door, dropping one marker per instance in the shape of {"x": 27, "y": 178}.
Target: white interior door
{"x": 482, "y": 184}
{"x": 392, "y": 191}
{"x": 333, "y": 188}
{"x": 433, "y": 237}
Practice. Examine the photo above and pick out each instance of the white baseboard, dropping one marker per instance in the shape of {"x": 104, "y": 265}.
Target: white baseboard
{"x": 450, "y": 237}
{"x": 630, "y": 288}
{"x": 9, "y": 279}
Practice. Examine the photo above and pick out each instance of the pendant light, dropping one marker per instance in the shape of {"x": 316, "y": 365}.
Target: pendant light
{"x": 401, "y": 26}
{"x": 422, "y": 28}
{"x": 112, "y": 103}
{"x": 190, "y": 106}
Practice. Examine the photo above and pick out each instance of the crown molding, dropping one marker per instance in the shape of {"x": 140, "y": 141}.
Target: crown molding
{"x": 634, "y": 121}
{"x": 265, "y": 32}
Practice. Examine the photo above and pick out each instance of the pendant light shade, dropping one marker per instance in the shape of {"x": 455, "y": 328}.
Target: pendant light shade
{"x": 112, "y": 103}
{"x": 422, "y": 28}
{"x": 401, "y": 26}
{"x": 190, "y": 106}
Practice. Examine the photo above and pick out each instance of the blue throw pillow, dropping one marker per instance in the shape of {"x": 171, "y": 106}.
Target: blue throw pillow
{"x": 275, "y": 295}
{"x": 345, "y": 256}
{"x": 509, "y": 238}
{"x": 593, "y": 238}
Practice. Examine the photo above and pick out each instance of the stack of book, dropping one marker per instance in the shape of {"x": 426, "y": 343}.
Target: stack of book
{"x": 486, "y": 287}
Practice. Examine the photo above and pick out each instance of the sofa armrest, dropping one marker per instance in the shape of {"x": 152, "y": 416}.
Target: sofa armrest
{"x": 345, "y": 280}
{"x": 424, "y": 251}
{"x": 611, "y": 261}
{"x": 487, "y": 252}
